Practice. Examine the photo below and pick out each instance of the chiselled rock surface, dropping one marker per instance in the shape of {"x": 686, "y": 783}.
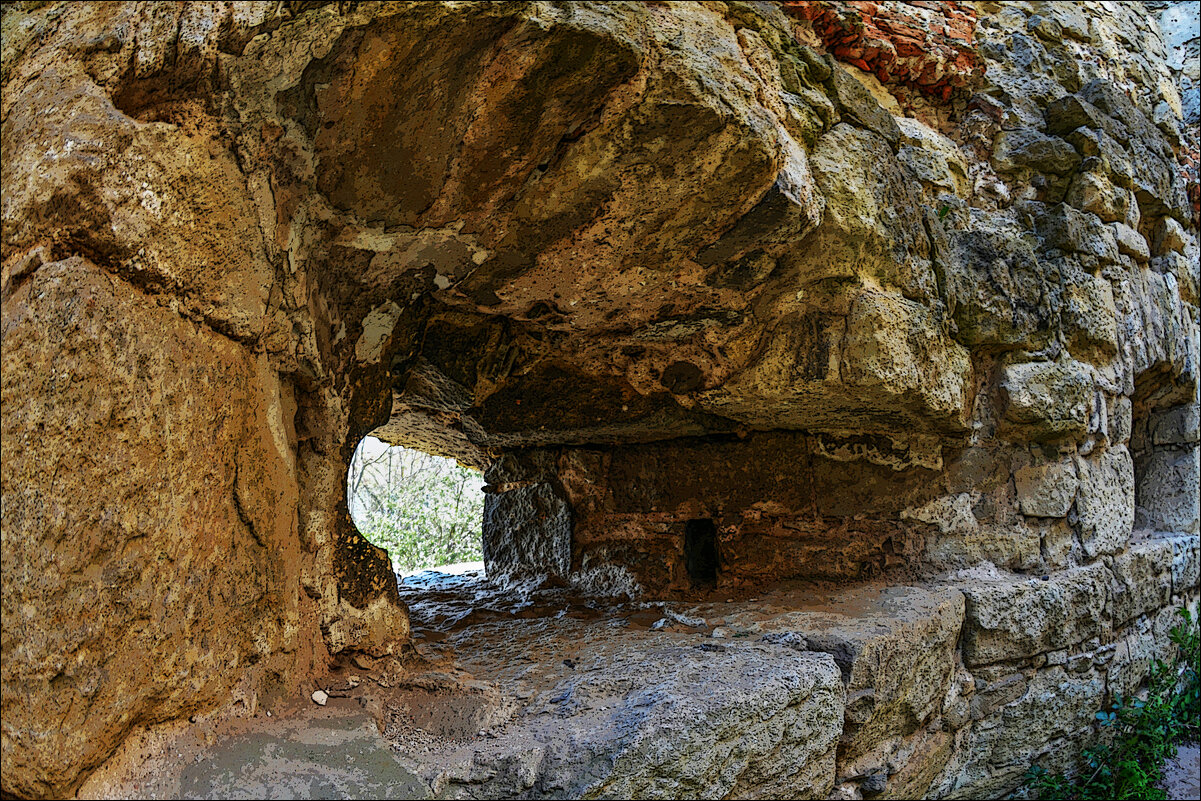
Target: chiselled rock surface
{"x": 719, "y": 295}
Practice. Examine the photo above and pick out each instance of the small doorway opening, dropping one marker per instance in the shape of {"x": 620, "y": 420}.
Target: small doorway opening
{"x": 700, "y": 552}
{"x": 425, "y": 511}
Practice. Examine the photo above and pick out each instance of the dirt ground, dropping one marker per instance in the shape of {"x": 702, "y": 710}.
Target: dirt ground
{"x": 1182, "y": 775}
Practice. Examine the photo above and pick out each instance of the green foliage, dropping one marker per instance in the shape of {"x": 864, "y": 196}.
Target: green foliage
{"x": 1188, "y": 699}
{"x": 424, "y": 510}
{"x": 1136, "y": 736}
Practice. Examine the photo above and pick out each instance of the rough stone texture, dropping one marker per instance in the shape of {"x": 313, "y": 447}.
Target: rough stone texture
{"x": 1137, "y": 587}
{"x": 664, "y": 720}
{"x": 900, "y": 292}
{"x": 1011, "y": 619}
{"x": 1169, "y": 496}
{"x": 1052, "y": 706}
{"x": 897, "y": 673}
{"x": 103, "y": 632}
{"x": 1048, "y": 400}
{"x": 1106, "y": 500}
{"x": 1186, "y": 564}
{"x": 1046, "y": 490}
{"x": 530, "y": 528}
{"x": 922, "y": 46}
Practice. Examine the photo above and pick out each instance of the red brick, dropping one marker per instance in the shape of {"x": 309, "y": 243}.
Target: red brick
{"x": 922, "y": 44}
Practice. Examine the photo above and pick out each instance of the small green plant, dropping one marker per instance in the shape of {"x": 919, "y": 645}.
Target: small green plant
{"x": 1188, "y": 699}
{"x": 1137, "y": 736}
{"x": 426, "y": 511}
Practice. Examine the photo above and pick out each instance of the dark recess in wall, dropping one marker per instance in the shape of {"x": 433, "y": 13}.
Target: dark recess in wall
{"x": 700, "y": 552}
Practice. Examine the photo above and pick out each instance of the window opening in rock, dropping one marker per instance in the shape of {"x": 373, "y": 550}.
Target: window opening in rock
{"x": 1164, "y": 449}
{"x": 700, "y": 552}
{"x": 426, "y": 511}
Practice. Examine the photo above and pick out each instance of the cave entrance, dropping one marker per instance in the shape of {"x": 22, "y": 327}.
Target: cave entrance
{"x": 700, "y": 552}
{"x": 426, "y": 511}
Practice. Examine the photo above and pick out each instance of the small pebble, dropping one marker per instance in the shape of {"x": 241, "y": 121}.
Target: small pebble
{"x": 320, "y": 697}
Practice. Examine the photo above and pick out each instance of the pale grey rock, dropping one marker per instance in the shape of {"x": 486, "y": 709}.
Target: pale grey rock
{"x": 1031, "y": 150}
{"x": 527, "y": 529}
{"x": 1179, "y": 23}
{"x": 1131, "y": 242}
{"x": 1046, "y": 490}
{"x": 1178, "y": 426}
{"x": 1106, "y": 500}
{"x": 1069, "y": 113}
{"x": 996, "y": 289}
{"x": 646, "y": 715}
{"x": 999, "y": 749}
{"x": 1094, "y": 193}
{"x": 1169, "y": 235}
{"x": 1069, "y": 230}
{"x": 856, "y": 103}
{"x": 1157, "y": 182}
{"x": 1186, "y": 562}
{"x": 1089, "y": 316}
{"x": 893, "y": 245}
{"x": 933, "y": 157}
{"x": 1072, "y": 21}
{"x": 1142, "y": 580}
{"x": 896, "y": 649}
{"x": 1185, "y": 268}
{"x": 1017, "y": 618}
{"x": 1048, "y": 400}
{"x": 1120, "y": 419}
{"x": 1168, "y": 493}
{"x": 1132, "y": 659}
{"x": 1107, "y": 157}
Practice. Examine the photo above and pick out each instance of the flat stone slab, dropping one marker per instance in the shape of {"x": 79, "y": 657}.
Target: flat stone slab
{"x": 310, "y": 753}
{"x": 524, "y": 691}
{"x": 339, "y": 756}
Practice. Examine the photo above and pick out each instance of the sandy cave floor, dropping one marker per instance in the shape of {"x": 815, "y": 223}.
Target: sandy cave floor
{"x": 492, "y": 670}
{"x": 489, "y": 665}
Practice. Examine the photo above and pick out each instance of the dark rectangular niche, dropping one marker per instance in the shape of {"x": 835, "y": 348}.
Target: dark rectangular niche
{"x": 700, "y": 552}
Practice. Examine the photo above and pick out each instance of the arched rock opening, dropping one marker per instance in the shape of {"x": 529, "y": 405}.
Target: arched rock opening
{"x": 425, "y": 510}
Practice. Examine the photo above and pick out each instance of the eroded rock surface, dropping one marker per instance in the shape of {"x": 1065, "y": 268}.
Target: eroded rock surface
{"x": 719, "y": 294}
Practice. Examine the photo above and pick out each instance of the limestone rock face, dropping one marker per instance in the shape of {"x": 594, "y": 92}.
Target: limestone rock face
{"x": 718, "y": 294}
{"x": 704, "y": 733}
{"x": 143, "y": 605}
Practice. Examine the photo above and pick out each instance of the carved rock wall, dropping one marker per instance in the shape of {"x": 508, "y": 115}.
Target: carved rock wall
{"x": 720, "y": 293}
